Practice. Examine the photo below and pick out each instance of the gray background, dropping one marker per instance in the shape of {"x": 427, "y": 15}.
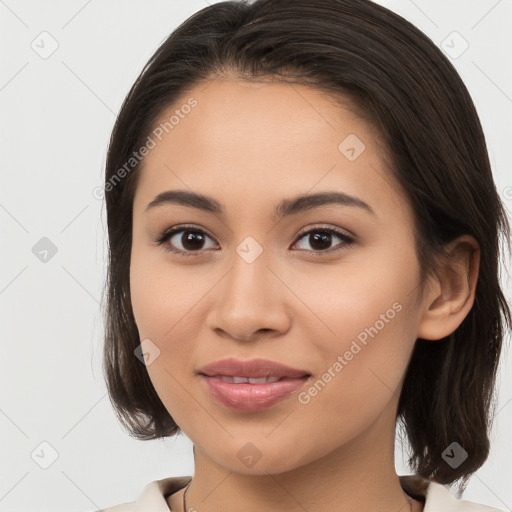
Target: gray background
{"x": 57, "y": 114}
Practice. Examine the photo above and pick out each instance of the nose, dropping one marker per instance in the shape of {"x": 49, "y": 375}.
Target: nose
{"x": 251, "y": 302}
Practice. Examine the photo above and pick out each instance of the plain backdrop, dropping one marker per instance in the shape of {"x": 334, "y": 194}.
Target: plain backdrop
{"x": 65, "y": 70}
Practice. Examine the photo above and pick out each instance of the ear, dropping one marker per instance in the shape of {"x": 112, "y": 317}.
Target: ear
{"x": 451, "y": 296}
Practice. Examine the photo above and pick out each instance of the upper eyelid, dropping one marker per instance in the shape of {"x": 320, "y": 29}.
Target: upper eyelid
{"x": 302, "y": 231}
{"x": 336, "y": 230}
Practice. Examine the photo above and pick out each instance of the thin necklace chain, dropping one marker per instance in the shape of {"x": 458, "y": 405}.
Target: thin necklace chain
{"x": 188, "y": 485}
{"x": 184, "y": 500}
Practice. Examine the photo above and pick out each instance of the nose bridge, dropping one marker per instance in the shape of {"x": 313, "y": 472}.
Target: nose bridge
{"x": 249, "y": 299}
{"x": 248, "y": 282}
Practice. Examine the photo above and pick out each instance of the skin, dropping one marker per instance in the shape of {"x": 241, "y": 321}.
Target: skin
{"x": 250, "y": 145}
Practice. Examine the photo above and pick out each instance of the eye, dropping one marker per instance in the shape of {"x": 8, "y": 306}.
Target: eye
{"x": 191, "y": 240}
{"x": 320, "y": 239}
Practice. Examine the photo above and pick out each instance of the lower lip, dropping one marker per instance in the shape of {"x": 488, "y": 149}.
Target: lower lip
{"x": 251, "y": 397}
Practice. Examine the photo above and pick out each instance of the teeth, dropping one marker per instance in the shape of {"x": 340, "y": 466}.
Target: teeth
{"x": 248, "y": 380}
{"x": 258, "y": 380}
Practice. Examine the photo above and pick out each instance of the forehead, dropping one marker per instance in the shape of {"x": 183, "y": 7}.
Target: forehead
{"x": 271, "y": 117}
{"x": 263, "y": 139}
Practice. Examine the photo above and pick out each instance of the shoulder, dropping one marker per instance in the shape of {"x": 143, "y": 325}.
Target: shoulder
{"x": 152, "y": 497}
{"x": 437, "y": 497}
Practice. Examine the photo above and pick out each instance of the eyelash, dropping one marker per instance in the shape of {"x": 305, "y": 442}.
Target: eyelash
{"x": 166, "y": 235}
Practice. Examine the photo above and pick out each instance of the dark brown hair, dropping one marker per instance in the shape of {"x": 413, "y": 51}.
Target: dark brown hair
{"x": 396, "y": 78}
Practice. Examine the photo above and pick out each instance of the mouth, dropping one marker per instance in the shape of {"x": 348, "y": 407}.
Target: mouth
{"x": 251, "y": 386}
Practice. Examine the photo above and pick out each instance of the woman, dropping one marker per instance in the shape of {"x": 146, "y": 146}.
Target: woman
{"x": 303, "y": 232}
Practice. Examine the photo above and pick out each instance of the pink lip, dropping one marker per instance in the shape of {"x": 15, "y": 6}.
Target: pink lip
{"x": 253, "y": 368}
{"x": 251, "y": 397}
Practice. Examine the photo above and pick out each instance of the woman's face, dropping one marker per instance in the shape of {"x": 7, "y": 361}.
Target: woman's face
{"x": 342, "y": 309}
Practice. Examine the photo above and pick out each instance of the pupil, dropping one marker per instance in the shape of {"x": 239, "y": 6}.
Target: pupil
{"x": 192, "y": 240}
{"x": 320, "y": 238}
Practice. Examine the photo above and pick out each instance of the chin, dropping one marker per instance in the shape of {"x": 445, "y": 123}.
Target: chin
{"x": 261, "y": 457}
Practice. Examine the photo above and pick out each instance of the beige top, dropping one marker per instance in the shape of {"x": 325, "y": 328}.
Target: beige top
{"x": 436, "y": 497}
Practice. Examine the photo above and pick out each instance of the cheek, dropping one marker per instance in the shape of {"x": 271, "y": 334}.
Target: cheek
{"x": 360, "y": 377}
{"x": 164, "y": 302}
{"x": 363, "y": 333}
{"x": 362, "y": 298}
{"x": 155, "y": 321}
{"x": 160, "y": 296}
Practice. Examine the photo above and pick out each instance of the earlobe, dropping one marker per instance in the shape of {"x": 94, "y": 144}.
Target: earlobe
{"x": 451, "y": 295}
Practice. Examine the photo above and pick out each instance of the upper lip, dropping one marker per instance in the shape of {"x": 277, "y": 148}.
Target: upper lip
{"x": 253, "y": 368}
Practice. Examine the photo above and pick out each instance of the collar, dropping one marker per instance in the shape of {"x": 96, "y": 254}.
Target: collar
{"x": 434, "y": 495}
{"x": 153, "y": 496}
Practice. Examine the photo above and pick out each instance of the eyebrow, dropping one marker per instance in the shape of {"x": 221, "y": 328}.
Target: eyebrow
{"x": 285, "y": 208}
